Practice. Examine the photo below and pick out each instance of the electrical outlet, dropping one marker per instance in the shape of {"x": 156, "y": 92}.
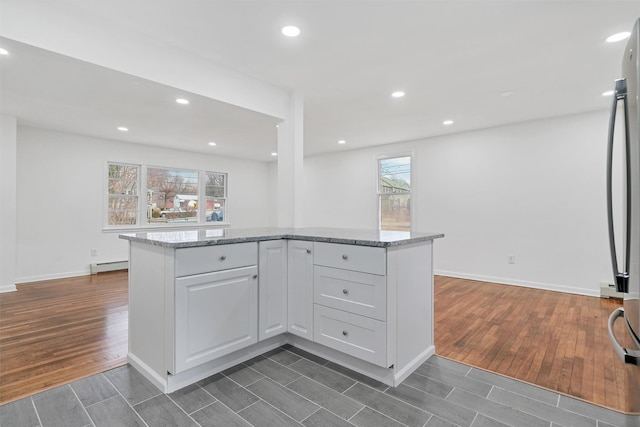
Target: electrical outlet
{"x": 512, "y": 259}
{"x": 94, "y": 252}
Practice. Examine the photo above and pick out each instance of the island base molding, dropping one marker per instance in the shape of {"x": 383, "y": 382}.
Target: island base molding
{"x": 168, "y": 383}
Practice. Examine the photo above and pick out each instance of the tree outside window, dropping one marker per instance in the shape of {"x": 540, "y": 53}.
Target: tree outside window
{"x": 122, "y": 194}
{"x": 173, "y": 196}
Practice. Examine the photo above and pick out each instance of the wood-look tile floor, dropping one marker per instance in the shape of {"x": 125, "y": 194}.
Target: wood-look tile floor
{"x": 288, "y": 387}
{"x": 58, "y": 331}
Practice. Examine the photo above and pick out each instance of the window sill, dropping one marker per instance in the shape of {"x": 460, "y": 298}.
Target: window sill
{"x": 166, "y": 227}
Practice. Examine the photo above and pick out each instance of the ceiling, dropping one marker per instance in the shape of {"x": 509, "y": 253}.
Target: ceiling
{"x": 454, "y": 60}
{"x": 53, "y": 91}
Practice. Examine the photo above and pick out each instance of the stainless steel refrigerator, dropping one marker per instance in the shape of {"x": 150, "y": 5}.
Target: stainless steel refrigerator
{"x": 626, "y": 265}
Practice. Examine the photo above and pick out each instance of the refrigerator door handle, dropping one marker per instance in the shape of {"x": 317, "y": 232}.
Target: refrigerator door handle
{"x": 621, "y": 278}
{"x": 631, "y": 357}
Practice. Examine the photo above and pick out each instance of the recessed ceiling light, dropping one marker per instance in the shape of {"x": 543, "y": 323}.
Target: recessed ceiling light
{"x": 342, "y": 141}
{"x": 4, "y": 51}
{"x": 398, "y": 94}
{"x": 447, "y": 122}
{"x": 123, "y": 129}
{"x": 291, "y": 31}
{"x": 507, "y": 93}
{"x": 274, "y": 154}
{"x": 213, "y": 144}
{"x": 618, "y": 37}
{"x": 607, "y": 93}
{"x": 182, "y": 101}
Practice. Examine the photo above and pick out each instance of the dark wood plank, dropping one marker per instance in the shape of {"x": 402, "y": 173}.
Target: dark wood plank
{"x": 57, "y": 331}
{"x": 555, "y": 340}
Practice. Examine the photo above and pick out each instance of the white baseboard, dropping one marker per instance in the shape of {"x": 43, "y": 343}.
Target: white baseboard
{"x": 8, "y": 288}
{"x": 64, "y": 275}
{"x": 522, "y": 283}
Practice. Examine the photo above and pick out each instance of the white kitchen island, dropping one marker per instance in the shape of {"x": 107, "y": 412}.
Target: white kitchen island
{"x": 201, "y": 301}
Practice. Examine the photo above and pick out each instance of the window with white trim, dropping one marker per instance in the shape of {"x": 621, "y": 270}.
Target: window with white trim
{"x": 394, "y": 193}
{"x": 123, "y": 185}
{"x": 173, "y": 196}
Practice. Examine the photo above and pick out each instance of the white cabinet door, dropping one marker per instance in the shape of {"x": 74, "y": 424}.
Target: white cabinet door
{"x": 272, "y": 288}
{"x": 300, "y": 288}
{"x": 215, "y": 314}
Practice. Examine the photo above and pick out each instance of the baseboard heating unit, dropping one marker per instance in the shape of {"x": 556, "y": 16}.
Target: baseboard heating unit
{"x": 101, "y": 267}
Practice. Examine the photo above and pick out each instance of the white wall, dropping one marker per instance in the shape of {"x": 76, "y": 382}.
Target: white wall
{"x": 7, "y": 203}
{"x": 60, "y": 190}
{"x": 534, "y": 190}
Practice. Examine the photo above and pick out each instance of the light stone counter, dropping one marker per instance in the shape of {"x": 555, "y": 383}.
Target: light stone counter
{"x": 207, "y": 237}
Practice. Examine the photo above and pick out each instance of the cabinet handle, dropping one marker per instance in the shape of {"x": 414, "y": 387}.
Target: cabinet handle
{"x": 309, "y": 251}
{"x": 344, "y": 257}
{"x": 223, "y": 257}
{"x": 345, "y": 291}
{"x": 345, "y": 333}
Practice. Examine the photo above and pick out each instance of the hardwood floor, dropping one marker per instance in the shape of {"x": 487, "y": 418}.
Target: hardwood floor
{"x": 551, "y": 339}
{"x": 57, "y": 331}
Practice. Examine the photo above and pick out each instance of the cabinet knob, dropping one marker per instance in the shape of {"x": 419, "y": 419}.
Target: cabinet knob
{"x": 345, "y": 333}
{"x": 344, "y": 257}
{"x": 255, "y": 276}
{"x": 223, "y": 257}
{"x": 345, "y": 291}
{"x": 309, "y": 251}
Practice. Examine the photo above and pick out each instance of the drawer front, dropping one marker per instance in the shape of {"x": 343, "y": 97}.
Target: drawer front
{"x": 205, "y": 259}
{"x": 349, "y": 333}
{"x": 366, "y": 259}
{"x": 359, "y": 293}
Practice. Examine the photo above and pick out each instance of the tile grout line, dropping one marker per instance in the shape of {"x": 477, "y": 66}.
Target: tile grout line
{"x": 125, "y": 399}
{"x": 357, "y": 412}
{"x": 33, "y": 403}
{"x": 266, "y": 403}
{"x": 185, "y": 412}
{"x": 82, "y": 405}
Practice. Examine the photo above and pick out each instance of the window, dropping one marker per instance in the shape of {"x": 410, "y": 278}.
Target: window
{"x": 394, "y": 193}
{"x": 216, "y": 196}
{"x": 173, "y": 196}
{"x": 122, "y": 205}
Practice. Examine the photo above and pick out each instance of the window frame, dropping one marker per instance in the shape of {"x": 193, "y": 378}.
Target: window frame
{"x": 107, "y": 195}
{"x": 412, "y": 192}
{"x": 142, "y": 206}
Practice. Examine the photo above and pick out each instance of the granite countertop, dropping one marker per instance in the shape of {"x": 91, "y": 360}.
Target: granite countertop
{"x": 222, "y": 236}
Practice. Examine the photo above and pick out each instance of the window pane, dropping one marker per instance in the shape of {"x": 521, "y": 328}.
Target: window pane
{"x": 172, "y": 195}
{"x": 395, "y": 212}
{"x": 122, "y": 190}
{"x": 123, "y": 210}
{"x": 394, "y": 189}
{"x": 215, "y": 209}
{"x": 216, "y": 184}
{"x": 215, "y": 190}
{"x": 395, "y": 175}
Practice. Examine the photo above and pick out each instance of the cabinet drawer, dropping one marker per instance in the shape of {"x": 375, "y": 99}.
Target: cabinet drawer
{"x": 367, "y": 259}
{"x": 205, "y": 259}
{"x": 359, "y": 293}
{"x": 349, "y": 333}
